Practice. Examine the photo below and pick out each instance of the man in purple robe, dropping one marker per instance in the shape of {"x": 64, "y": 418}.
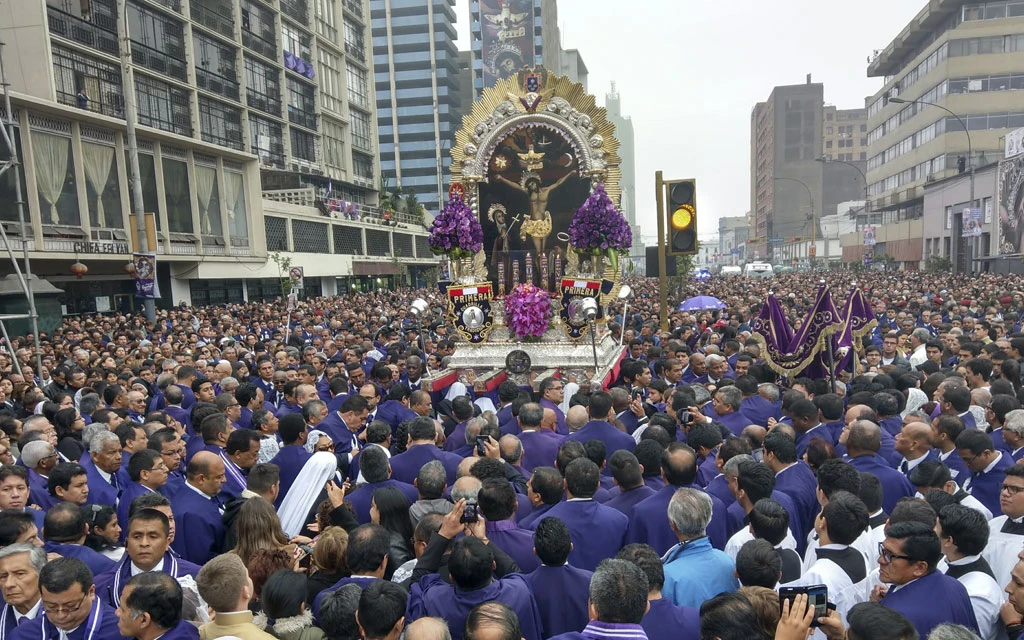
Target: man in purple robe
{"x": 600, "y": 411}
{"x": 664, "y": 620}
{"x": 152, "y": 609}
{"x": 618, "y": 602}
{"x": 421, "y": 450}
{"x": 584, "y": 516}
{"x": 863, "y": 440}
{"x": 540, "y": 446}
{"x": 987, "y": 465}
{"x": 373, "y": 463}
{"x": 497, "y": 504}
{"x": 293, "y": 455}
{"x": 560, "y": 588}
{"x": 199, "y": 530}
{"x": 552, "y": 393}
{"x": 544, "y": 489}
{"x": 627, "y": 473}
{"x": 64, "y": 529}
{"x": 906, "y": 561}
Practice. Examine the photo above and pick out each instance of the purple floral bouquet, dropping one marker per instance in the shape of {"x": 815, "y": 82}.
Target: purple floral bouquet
{"x": 456, "y": 232}
{"x": 599, "y": 227}
{"x": 527, "y": 311}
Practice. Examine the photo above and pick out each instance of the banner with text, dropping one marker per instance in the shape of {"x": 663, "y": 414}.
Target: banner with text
{"x": 145, "y": 275}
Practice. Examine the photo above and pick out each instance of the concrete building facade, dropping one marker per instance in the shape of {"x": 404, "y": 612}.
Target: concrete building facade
{"x": 627, "y": 151}
{"x": 416, "y": 71}
{"x": 846, "y": 134}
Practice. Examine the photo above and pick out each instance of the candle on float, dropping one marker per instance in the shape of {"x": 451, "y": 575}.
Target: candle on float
{"x": 501, "y": 278}
{"x": 515, "y": 272}
{"x": 529, "y": 268}
{"x": 544, "y": 271}
{"x": 558, "y": 265}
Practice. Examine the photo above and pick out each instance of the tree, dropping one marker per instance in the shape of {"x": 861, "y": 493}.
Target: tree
{"x": 284, "y": 263}
{"x": 938, "y": 264}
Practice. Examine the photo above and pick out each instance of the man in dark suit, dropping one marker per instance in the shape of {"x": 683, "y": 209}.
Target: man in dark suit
{"x": 561, "y": 589}
{"x": 199, "y": 529}
{"x": 21, "y": 563}
{"x": 103, "y": 469}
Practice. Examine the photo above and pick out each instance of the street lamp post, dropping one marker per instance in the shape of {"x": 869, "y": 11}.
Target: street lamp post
{"x": 970, "y": 147}
{"x": 814, "y": 224}
{"x": 864, "y": 177}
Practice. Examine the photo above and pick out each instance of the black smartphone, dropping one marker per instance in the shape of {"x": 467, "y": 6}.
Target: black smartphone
{"x": 817, "y": 597}
{"x": 635, "y": 393}
{"x": 469, "y": 513}
{"x": 481, "y": 445}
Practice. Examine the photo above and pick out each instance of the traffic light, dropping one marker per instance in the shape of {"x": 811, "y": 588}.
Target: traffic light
{"x": 681, "y": 210}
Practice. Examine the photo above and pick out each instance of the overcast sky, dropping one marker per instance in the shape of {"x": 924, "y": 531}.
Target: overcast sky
{"x": 690, "y": 71}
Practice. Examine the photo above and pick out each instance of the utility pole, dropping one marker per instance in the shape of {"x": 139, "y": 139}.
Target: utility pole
{"x": 128, "y": 82}
{"x": 659, "y": 189}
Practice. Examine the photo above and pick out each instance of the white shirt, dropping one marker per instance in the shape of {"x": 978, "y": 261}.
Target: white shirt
{"x": 31, "y": 615}
{"x": 918, "y": 356}
{"x": 136, "y": 571}
{"x": 911, "y": 464}
{"x": 1001, "y": 550}
{"x": 743, "y": 536}
{"x": 986, "y": 598}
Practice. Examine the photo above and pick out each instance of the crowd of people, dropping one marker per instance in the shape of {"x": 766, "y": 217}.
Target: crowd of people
{"x": 245, "y": 471}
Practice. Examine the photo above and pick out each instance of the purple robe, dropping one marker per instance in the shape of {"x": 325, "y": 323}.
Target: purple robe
{"x": 798, "y": 482}
{"x": 406, "y": 465}
{"x": 101, "y": 624}
{"x": 97, "y": 562}
{"x": 894, "y": 484}
{"x": 517, "y": 543}
{"x": 561, "y": 429}
{"x": 932, "y": 600}
{"x": 985, "y": 486}
{"x": 735, "y": 422}
{"x": 529, "y": 520}
{"x": 394, "y": 413}
{"x": 290, "y": 459}
{"x": 200, "y": 531}
{"x": 719, "y": 487}
{"x": 184, "y": 630}
{"x": 562, "y": 595}
{"x": 757, "y": 410}
{"x": 613, "y": 439}
{"x": 131, "y": 491}
{"x": 666, "y": 621}
{"x": 101, "y": 491}
{"x": 624, "y": 501}
{"x": 361, "y": 497}
{"x": 597, "y": 531}
{"x": 649, "y": 522}
{"x": 111, "y": 583}
{"x": 435, "y": 597}
{"x": 540, "y": 448}
{"x": 456, "y": 439}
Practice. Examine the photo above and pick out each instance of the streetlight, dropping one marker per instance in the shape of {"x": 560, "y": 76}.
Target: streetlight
{"x": 814, "y": 224}
{"x": 828, "y": 160}
{"x": 970, "y": 147}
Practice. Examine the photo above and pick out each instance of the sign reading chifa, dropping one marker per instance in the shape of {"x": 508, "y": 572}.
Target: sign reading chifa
{"x": 469, "y": 309}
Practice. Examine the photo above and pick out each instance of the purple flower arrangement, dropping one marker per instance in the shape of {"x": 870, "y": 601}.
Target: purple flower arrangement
{"x": 527, "y": 311}
{"x": 598, "y": 226}
{"x": 456, "y": 232}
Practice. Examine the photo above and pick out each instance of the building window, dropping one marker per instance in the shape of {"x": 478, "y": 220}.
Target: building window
{"x": 330, "y": 81}
{"x": 828, "y": 131}
{"x": 295, "y": 41}
{"x": 219, "y": 123}
{"x": 264, "y": 91}
{"x": 55, "y": 179}
{"x": 362, "y": 166}
{"x": 159, "y": 42}
{"x": 303, "y": 145}
{"x": 358, "y": 89}
{"x": 177, "y": 196}
{"x": 267, "y": 141}
{"x": 102, "y": 82}
{"x": 334, "y": 144}
{"x": 301, "y": 104}
{"x": 258, "y": 30}
{"x": 355, "y": 45}
{"x": 361, "y": 130}
{"x": 162, "y": 106}
{"x": 215, "y": 66}
{"x": 325, "y": 25}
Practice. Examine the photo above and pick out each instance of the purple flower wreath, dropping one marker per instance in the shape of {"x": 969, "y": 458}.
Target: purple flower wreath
{"x": 456, "y": 232}
{"x": 598, "y": 226}
{"x": 527, "y": 311}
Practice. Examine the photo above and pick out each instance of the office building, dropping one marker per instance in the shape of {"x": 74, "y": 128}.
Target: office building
{"x": 507, "y": 35}
{"x": 733, "y": 233}
{"x": 791, "y": 183}
{"x": 572, "y": 66}
{"x": 627, "y": 151}
{"x": 962, "y": 56}
{"x": 846, "y": 134}
{"x": 244, "y": 108}
{"x": 416, "y": 75}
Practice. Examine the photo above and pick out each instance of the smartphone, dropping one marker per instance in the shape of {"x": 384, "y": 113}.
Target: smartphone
{"x": 481, "y": 448}
{"x": 817, "y": 597}
{"x": 636, "y": 393}
{"x": 469, "y": 513}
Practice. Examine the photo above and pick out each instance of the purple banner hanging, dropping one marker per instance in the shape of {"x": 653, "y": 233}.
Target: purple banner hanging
{"x": 145, "y": 275}
{"x": 771, "y": 328}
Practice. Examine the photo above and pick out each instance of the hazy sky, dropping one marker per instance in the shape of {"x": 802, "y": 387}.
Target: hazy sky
{"x": 690, "y": 71}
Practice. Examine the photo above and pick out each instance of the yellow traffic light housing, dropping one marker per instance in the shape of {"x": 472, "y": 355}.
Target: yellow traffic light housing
{"x": 681, "y": 210}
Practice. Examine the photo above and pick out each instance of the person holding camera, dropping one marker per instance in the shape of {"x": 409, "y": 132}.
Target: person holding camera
{"x": 471, "y": 581}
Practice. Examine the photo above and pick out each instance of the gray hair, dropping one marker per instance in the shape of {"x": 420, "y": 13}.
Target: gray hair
{"x": 924, "y": 417}
{"x": 473, "y": 427}
{"x": 463, "y": 492}
{"x": 952, "y": 632}
{"x": 36, "y": 555}
{"x": 701, "y": 394}
{"x": 732, "y": 465}
{"x": 921, "y": 334}
{"x": 1014, "y": 421}
{"x": 428, "y": 628}
{"x": 731, "y": 396}
{"x": 690, "y": 512}
{"x": 713, "y": 358}
{"x": 97, "y": 441}
{"x": 89, "y": 403}
{"x": 768, "y": 391}
{"x": 91, "y": 430}
{"x": 431, "y": 479}
{"x": 227, "y": 381}
{"x": 34, "y": 452}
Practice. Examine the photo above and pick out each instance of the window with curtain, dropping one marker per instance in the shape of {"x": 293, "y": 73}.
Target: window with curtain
{"x": 55, "y": 179}
{"x": 102, "y": 186}
{"x": 8, "y": 195}
{"x": 147, "y": 173}
{"x": 234, "y": 192}
{"x": 209, "y": 200}
{"x": 178, "y": 196}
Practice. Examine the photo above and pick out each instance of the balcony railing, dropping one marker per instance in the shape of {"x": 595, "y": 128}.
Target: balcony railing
{"x": 158, "y": 61}
{"x": 340, "y": 210}
{"x": 264, "y": 103}
{"x": 70, "y": 27}
{"x": 354, "y": 7}
{"x": 296, "y": 9}
{"x": 265, "y": 48}
{"x": 173, "y": 5}
{"x": 302, "y": 118}
{"x": 213, "y": 19}
{"x": 356, "y": 49}
{"x": 216, "y": 84}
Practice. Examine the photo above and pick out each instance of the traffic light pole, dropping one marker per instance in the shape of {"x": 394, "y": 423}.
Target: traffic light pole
{"x": 659, "y": 190}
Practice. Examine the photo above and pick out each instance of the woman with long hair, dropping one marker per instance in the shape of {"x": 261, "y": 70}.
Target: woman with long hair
{"x": 390, "y": 509}
{"x": 70, "y": 424}
{"x": 258, "y": 527}
{"x": 284, "y": 604}
{"x": 104, "y": 530}
{"x": 329, "y": 564}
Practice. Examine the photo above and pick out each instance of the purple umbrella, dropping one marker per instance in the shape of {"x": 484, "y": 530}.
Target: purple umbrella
{"x": 701, "y": 303}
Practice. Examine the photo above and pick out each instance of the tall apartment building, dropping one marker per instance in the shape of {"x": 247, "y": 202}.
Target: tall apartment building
{"x": 969, "y": 58}
{"x": 416, "y": 75}
{"x": 846, "y": 134}
{"x": 791, "y": 187}
{"x": 627, "y": 151}
{"x": 232, "y": 96}
{"x": 507, "y": 35}
{"x": 574, "y": 67}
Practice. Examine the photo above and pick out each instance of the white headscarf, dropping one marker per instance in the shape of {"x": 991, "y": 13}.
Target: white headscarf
{"x": 313, "y": 438}
{"x": 307, "y": 487}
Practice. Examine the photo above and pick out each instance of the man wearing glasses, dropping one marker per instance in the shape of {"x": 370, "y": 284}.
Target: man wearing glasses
{"x": 70, "y": 605}
{"x": 552, "y": 392}
{"x": 1007, "y": 531}
{"x": 987, "y": 465}
{"x": 911, "y": 586}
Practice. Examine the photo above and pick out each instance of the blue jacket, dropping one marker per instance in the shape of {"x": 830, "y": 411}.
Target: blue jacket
{"x": 695, "y": 572}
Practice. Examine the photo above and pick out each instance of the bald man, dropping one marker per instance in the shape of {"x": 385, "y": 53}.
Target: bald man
{"x": 576, "y": 418}
{"x": 198, "y": 511}
{"x": 863, "y": 439}
{"x": 428, "y": 628}
{"x": 913, "y": 446}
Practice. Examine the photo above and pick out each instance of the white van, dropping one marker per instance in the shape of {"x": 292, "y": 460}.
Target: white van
{"x": 731, "y": 271}
{"x": 758, "y": 270}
